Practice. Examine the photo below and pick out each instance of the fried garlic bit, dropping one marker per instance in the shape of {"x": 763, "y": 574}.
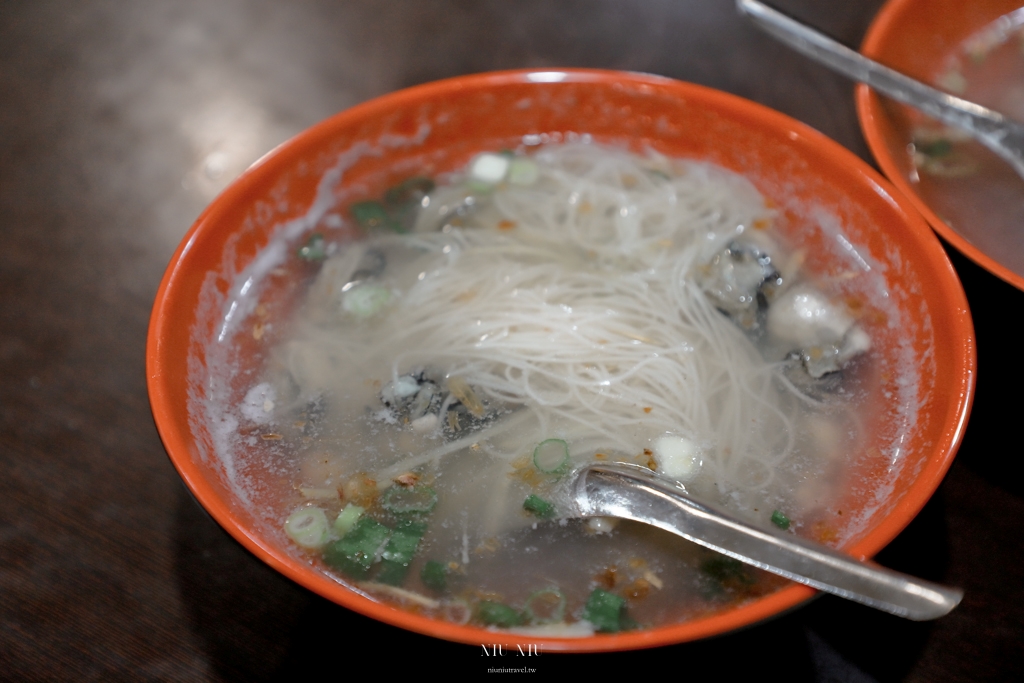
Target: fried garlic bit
{"x": 407, "y": 480}
{"x": 361, "y": 489}
{"x": 608, "y": 577}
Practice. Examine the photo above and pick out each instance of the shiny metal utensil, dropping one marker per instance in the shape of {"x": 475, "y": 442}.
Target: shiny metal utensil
{"x": 636, "y": 493}
{"x": 1003, "y": 136}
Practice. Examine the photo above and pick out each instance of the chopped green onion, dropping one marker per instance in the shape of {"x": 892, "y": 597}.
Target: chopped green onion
{"x": 479, "y": 187}
{"x": 308, "y": 527}
{"x": 938, "y": 148}
{"x": 400, "y": 499}
{"x": 546, "y": 606}
{"x": 523, "y": 171}
{"x": 399, "y": 551}
{"x": 372, "y": 215}
{"x": 538, "y": 506}
{"x": 356, "y": 553}
{"x": 347, "y": 519}
{"x": 551, "y": 456}
{"x": 605, "y": 611}
{"x": 726, "y": 569}
{"x": 366, "y": 300}
{"x": 498, "y": 614}
{"x": 780, "y": 520}
{"x": 313, "y": 250}
{"x": 409, "y": 190}
{"x": 434, "y": 576}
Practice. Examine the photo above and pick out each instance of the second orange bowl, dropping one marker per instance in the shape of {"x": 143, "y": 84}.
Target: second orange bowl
{"x": 976, "y": 205}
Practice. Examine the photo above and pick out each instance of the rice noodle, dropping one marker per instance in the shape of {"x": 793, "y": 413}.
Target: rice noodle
{"x": 585, "y": 312}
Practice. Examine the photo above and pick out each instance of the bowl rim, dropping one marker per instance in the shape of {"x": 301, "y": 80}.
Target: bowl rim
{"x": 178, "y": 445}
{"x": 870, "y": 109}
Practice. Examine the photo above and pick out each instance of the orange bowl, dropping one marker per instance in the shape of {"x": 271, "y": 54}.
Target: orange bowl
{"x": 978, "y": 215}
{"x": 813, "y": 181}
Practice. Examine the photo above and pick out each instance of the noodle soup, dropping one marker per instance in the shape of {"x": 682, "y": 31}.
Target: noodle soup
{"x": 437, "y": 360}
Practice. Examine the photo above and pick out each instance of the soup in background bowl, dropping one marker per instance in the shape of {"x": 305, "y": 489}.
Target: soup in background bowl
{"x": 238, "y": 288}
{"x": 970, "y": 196}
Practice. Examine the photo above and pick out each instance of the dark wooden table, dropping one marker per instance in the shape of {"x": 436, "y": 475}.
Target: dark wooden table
{"x": 120, "y": 120}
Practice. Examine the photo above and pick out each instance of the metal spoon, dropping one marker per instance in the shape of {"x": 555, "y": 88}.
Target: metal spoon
{"x": 1000, "y": 134}
{"x": 636, "y": 493}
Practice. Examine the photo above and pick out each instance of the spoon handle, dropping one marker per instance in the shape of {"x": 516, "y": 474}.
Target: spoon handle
{"x": 631, "y": 492}
{"x": 1003, "y": 136}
